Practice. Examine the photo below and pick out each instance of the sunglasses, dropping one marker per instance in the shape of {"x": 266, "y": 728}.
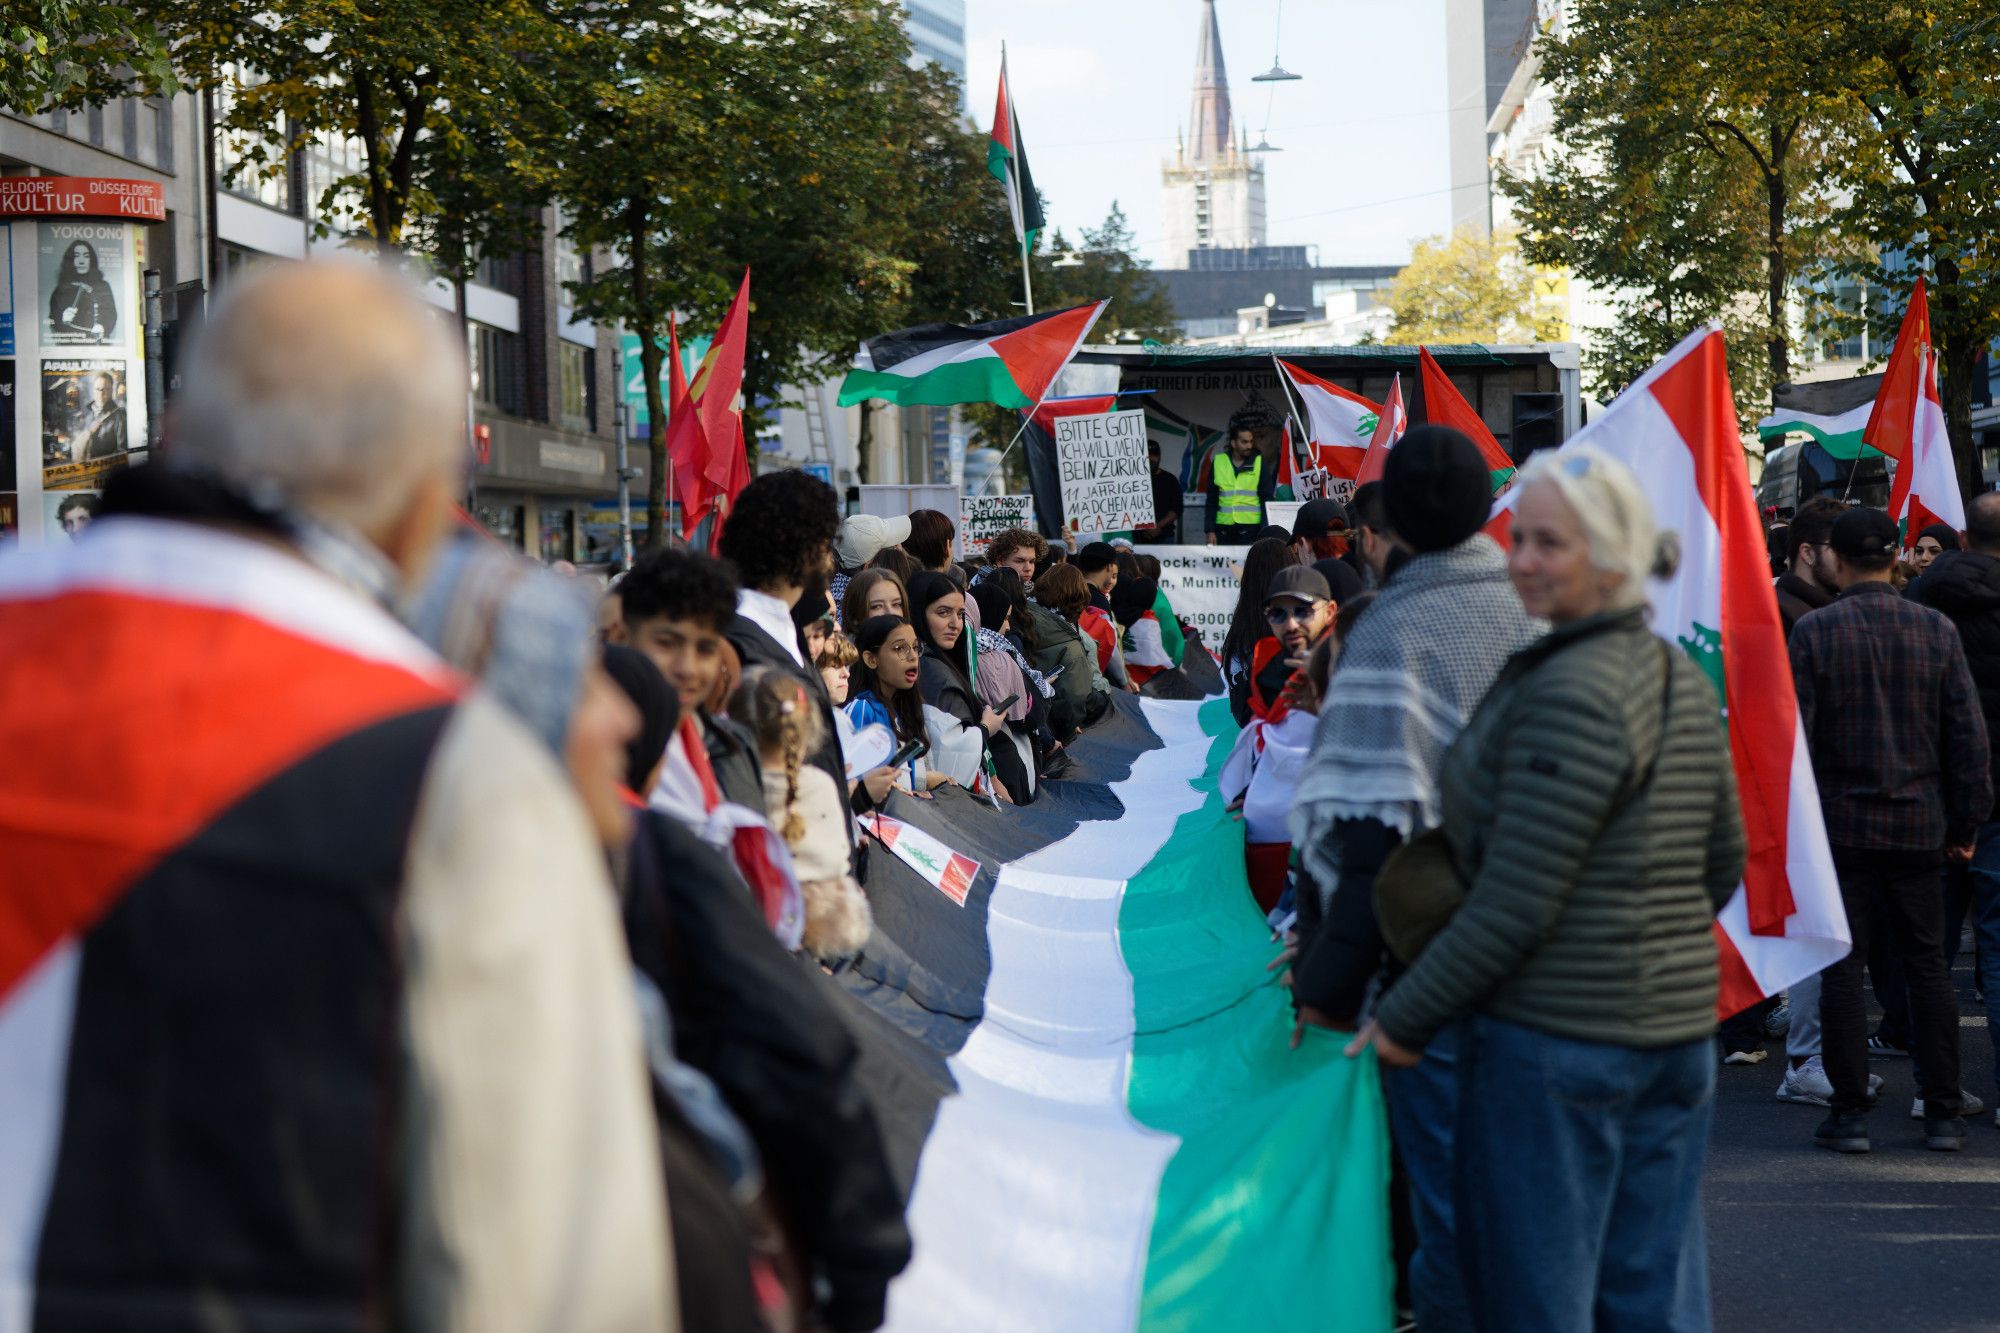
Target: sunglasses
{"x": 1284, "y": 615}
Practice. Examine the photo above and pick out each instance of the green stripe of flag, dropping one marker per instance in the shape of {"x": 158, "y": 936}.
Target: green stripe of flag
{"x": 982, "y": 379}
{"x": 1271, "y": 1213}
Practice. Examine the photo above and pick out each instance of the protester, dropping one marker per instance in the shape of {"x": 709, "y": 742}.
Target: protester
{"x": 946, "y": 684}
{"x": 1965, "y": 586}
{"x": 779, "y": 536}
{"x": 1932, "y": 542}
{"x": 836, "y": 660}
{"x": 1165, "y": 529}
{"x": 380, "y": 913}
{"x": 1341, "y": 580}
{"x": 1063, "y": 654}
{"x": 1173, "y": 635}
{"x": 808, "y": 810}
{"x": 1807, "y": 583}
{"x": 1098, "y": 563}
{"x": 1001, "y": 670}
{"x": 1415, "y": 668}
{"x": 1239, "y": 481}
{"x": 871, "y": 593}
{"x": 1373, "y": 541}
{"x": 898, "y": 562}
{"x": 930, "y": 541}
{"x": 1018, "y": 549}
{"x": 1143, "y": 643}
{"x": 886, "y": 694}
{"x": 1247, "y": 626}
{"x": 678, "y": 605}
{"x": 1305, "y": 691}
{"x": 1589, "y": 811}
{"x": 1320, "y": 531}
{"x": 862, "y": 537}
{"x": 1899, "y": 749}
{"x": 1299, "y": 609}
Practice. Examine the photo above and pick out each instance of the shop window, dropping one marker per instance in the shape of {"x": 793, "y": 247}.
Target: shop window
{"x": 558, "y": 533}
{"x": 494, "y": 357}
{"x": 503, "y": 521}
{"x": 254, "y": 165}
{"x": 578, "y": 404}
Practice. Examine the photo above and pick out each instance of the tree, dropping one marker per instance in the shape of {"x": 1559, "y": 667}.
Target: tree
{"x": 1924, "y": 76}
{"x": 61, "y": 53}
{"x": 414, "y": 83}
{"x": 1104, "y": 267}
{"x": 1468, "y": 289}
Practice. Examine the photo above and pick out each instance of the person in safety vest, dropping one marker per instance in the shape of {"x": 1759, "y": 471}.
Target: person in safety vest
{"x": 1240, "y": 479}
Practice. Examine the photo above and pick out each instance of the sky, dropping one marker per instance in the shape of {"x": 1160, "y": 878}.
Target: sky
{"x": 1102, "y": 87}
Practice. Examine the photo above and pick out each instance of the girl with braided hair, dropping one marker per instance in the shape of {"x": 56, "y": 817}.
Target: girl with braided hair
{"x": 807, "y": 809}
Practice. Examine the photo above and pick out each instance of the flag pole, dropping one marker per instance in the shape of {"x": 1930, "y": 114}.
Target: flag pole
{"x": 1285, "y": 389}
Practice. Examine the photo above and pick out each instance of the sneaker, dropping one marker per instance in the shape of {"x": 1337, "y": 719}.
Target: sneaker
{"x": 1946, "y": 1135}
{"x": 1967, "y": 1105}
{"x": 1808, "y": 1085}
{"x": 1843, "y": 1131}
{"x": 1778, "y": 1022}
{"x": 1879, "y": 1045}
{"x": 1755, "y": 1057}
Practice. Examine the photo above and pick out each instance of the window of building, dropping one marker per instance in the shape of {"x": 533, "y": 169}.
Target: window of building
{"x": 572, "y": 263}
{"x": 558, "y": 533}
{"x": 494, "y": 356}
{"x": 328, "y": 159}
{"x": 502, "y": 274}
{"x": 502, "y": 520}
{"x": 577, "y": 367}
{"x": 250, "y": 165}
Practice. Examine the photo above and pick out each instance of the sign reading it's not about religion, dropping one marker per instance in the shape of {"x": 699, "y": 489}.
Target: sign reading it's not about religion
{"x": 1107, "y": 485}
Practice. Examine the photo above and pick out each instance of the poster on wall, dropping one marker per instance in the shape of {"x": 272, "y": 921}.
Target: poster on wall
{"x": 7, "y": 297}
{"x": 65, "y": 514}
{"x": 86, "y": 283}
{"x": 83, "y": 422}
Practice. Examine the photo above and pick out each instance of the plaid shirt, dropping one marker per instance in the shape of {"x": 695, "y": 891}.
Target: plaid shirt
{"x": 1892, "y": 721}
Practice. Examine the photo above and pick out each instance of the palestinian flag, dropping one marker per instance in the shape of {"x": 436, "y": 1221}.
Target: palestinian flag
{"x": 1908, "y": 426}
{"x": 1011, "y": 362}
{"x": 1839, "y": 434}
{"x": 1007, "y": 159}
{"x": 1089, "y": 1069}
{"x": 1342, "y": 421}
{"x": 1444, "y": 405}
{"x": 1676, "y": 429}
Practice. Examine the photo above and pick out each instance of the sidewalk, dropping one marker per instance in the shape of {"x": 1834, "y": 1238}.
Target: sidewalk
{"x": 1900, "y": 1238}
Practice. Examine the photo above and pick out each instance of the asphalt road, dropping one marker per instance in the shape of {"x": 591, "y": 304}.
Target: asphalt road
{"x": 1901, "y": 1238}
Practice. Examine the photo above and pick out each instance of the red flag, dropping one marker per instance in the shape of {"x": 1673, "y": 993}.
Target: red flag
{"x": 1287, "y": 466}
{"x": 719, "y": 380}
{"x": 1389, "y": 428}
{"x": 1444, "y": 405}
{"x": 1908, "y": 425}
{"x": 687, "y": 448}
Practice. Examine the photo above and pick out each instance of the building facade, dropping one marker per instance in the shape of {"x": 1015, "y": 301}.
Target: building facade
{"x": 544, "y": 475}
{"x": 937, "y": 36}
{"x": 1486, "y": 42}
{"x": 1212, "y": 190}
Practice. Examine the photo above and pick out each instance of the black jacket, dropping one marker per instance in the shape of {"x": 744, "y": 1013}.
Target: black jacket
{"x": 733, "y": 755}
{"x": 767, "y": 1027}
{"x": 1965, "y": 585}
{"x": 1796, "y": 596}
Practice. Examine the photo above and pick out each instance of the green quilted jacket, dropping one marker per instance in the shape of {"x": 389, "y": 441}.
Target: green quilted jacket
{"x": 1590, "y": 899}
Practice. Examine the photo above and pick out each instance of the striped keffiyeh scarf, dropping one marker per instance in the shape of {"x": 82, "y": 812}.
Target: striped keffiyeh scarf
{"x": 992, "y": 641}
{"x": 1409, "y": 676}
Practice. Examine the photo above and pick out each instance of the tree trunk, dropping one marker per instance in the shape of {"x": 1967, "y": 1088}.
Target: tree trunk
{"x": 864, "y": 442}
{"x": 1959, "y": 362}
{"x": 651, "y": 358}
{"x": 1780, "y": 342}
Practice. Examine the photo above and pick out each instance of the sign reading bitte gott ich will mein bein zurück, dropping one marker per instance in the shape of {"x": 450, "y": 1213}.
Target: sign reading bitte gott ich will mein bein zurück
{"x": 1107, "y": 485}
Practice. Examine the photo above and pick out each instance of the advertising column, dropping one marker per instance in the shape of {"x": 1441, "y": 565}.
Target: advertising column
{"x": 72, "y": 374}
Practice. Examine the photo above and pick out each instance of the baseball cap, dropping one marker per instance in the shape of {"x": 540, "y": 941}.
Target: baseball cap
{"x": 1317, "y": 518}
{"x": 864, "y": 536}
{"x": 1301, "y": 583}
{"x": 1864, "y": 534}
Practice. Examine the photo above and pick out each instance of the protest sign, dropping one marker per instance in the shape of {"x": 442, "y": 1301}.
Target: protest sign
{"x": 982, "y": 517}
{"x": 1201, "y": 583}
{"x": 1107, "y": 484}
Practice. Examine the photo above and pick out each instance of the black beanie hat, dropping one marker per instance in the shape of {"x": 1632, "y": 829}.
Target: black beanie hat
{"x": 659, "y": 710}
{"x": 1436, "y": 488}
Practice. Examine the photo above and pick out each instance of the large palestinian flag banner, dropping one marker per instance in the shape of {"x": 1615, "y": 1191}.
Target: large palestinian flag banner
{"x": 1676, "y": 429}
{"x": 1086, "y": 1070}
{"x": 1011, "y": 362}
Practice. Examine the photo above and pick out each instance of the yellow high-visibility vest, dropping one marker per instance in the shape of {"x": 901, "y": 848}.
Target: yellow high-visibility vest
{"x": 1236, "y": 492}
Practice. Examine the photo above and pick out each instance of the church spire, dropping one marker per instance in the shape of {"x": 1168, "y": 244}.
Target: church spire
{"x": 1209, "y": 122}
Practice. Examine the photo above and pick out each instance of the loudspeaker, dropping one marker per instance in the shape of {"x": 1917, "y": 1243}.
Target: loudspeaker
{"x": 1538, "y": 424}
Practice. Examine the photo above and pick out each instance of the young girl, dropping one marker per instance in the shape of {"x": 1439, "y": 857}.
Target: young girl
{"x": 886, "y": 692}
{"x": 805, "y": 806}
{"x": 937, "y": 608}
{"x": 871, "y": 593}
{"x": 835, "y": 661}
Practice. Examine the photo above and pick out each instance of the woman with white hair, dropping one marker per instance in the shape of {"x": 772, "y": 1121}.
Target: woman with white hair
{"x": 1563, "y": 910}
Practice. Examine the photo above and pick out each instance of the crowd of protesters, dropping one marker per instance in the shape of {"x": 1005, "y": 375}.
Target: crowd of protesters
{"x": 1490, "y": 813}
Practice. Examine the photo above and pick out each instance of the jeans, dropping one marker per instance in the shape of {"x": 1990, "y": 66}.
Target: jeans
{"x": 1897, "y": 897}
{"x": 1802, "y": 1041}
{"x": 1986, "y": 926}
{"x": 1579, "y": 1182}
{"x": 1423, "y": 1109}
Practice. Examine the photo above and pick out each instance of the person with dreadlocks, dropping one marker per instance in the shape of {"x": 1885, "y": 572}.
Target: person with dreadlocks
{"x": 1239, "y": 479}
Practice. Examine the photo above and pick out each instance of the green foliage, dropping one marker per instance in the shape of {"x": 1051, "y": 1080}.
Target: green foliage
{"x": 64, "y": 53}
{"x": 1470, "y": 288}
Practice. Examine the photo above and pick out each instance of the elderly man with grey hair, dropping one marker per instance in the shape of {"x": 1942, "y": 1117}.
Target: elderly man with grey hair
{"x": 313, "y": 1003}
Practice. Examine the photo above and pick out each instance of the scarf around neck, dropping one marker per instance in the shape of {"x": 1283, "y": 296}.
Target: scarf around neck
{"x": 1407, "y": 679}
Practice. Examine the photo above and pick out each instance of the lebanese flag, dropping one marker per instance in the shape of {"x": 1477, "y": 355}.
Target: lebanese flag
{"x": 1444, "y": 405}
{"x": 1907, "y": 424}
{"x": 1342, "y": 422}
{"x": 1676, "y": 429}
{"x": 1009, "y": 362}
{"x": 1395, "y": 420}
